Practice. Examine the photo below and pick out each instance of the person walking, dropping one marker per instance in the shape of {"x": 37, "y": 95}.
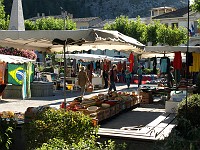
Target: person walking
{"x": 113, "y": 77}
{"x": 83, "y": 80}
{"x": 128, "y": 76}
{"x": 139, "y": 72}
{"x": 105, "y": 77}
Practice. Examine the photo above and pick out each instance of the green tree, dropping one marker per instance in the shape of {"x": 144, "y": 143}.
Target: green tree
{"x": 152, "y": 32}
{"x": 50, "y": 23}
{"x": 196, "y": 5}
{"x": 4, "y": 20}
{"x": 135, "y": 29}
{"x": 171, "y": 36}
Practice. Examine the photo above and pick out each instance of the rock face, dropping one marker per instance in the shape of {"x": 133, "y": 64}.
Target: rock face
{"x": 106, "y": 9}
{"x": 112, "y": 8}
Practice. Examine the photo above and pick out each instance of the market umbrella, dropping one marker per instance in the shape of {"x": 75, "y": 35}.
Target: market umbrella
{"x": 41, "y": 40}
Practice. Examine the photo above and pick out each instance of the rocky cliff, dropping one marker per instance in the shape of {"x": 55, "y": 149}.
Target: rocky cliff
{"x": 106, "y": 9}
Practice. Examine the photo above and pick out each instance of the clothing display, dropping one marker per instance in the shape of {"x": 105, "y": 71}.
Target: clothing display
{"x": 164, "y": 65}
{"x": 196, "y": 63}
{"x": 2, "y": 72}
{"x": 177, "y": 63}
{"x": 131, "y": 61}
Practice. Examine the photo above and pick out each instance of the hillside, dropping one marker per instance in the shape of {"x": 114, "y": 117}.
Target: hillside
{"x": 106, "y": 9}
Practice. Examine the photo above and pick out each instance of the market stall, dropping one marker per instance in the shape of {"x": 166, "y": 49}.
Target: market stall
{"x": 15, "y": 76}
{"x": 92, "y": 62}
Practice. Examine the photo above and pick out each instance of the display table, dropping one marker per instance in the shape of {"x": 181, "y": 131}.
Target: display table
{"x": 41, "y": 89}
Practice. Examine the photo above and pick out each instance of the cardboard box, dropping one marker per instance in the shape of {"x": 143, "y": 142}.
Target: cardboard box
{"x": 171, "y": 106}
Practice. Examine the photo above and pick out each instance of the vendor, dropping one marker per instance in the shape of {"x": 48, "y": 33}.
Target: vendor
{"x": 170, "y": 78}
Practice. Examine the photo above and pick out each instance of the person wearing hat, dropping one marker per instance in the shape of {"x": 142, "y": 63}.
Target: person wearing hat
{"x": 82, "y": 80}
{"x": 170, "y": 78}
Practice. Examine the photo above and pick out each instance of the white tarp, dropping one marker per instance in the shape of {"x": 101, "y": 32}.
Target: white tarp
{"x": 89, "y": 57}
{"x": 41, "y": 40}
{"x": 14, "y": 59}
{"x": 162, "y": 49}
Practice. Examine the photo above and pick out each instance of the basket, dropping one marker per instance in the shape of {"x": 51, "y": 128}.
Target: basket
{"x": 89, "y": 88}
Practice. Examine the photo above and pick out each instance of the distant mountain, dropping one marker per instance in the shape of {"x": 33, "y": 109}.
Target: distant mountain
{"x": 106, "y": 9}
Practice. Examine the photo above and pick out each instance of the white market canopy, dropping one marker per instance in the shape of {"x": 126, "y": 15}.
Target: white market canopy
{"x": 168, "y": 49}
{"x": 89, "y": 57}
{"x": 41, "y": 40}
{"x": 14, "y": 59}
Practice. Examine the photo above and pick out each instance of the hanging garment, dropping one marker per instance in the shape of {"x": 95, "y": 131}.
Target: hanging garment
{"x": 131, "y": 61}
{"x": 154, "y": 65}
{"x": 189, "y": 57}
{"x": 196, "y": 63}
{"x": 74, "y": 65}
{"x": 119, "y": 66}
{"x": 2, "y": 72}
{"x": 98, "y": 65}
{"x": 177, "y": 63}
{"x": 164, "y": 65}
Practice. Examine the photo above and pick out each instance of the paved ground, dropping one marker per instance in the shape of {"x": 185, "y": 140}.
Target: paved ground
{"x": 136, "y": 117}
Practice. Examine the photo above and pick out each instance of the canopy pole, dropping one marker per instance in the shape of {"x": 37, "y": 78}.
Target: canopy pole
{"x": 64, "y": 86}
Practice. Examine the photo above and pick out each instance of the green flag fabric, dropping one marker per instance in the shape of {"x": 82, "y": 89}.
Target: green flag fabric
{"x": 15, "y": 74}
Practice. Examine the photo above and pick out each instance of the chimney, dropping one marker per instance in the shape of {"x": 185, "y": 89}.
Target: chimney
{"x": 38, "y": 15}
{"x": 17, "y": 17}
{"x": 43, "y": 14}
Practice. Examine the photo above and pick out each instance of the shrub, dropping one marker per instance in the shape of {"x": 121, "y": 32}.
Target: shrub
{"x": 57, "y": 144}
{"x": 66, "y": 125}
{"x": 191, "y": 111}
{"x": 6, "y": 132}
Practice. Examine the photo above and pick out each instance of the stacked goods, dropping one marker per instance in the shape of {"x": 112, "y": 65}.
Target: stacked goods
{"x": 146, "y": 97}
{"x": 104, "y": 106}
{"x": 18, "y": 117}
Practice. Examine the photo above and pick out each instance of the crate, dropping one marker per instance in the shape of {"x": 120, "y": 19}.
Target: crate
{"x": 128, "y": 104}
{"x": 106, "y": 113}
{"x": 146, "y": 101}
{"x": 112, "y": 111}
{"x": 117, "y": 108}
{"x": 100, "y": 115}
{"x": 122, "y": 105}
{"x": 146, "y": 95}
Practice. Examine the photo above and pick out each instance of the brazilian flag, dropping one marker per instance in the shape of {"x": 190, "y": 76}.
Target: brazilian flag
{"x": 15, "y": 74}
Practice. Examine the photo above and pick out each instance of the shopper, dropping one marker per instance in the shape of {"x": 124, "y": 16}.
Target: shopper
{"x": 83, "y": 80}
{"x": 128, "y": 76}
{"x": 170, "y": 78}
{"x": 113, "y": 77}
{"x": 105, "y": 77}
{"x": 139, "y": 72}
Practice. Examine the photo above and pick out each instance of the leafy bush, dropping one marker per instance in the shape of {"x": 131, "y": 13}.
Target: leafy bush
{"x": 66, "y": 125}
{"x": 191, "y": 111}
{"x": 56, "y": 144}
{"x": 6, "y": 132}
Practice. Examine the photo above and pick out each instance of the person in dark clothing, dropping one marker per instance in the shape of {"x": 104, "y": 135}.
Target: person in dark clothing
{"x": 105, "y": 77}
{"x": 113, "y": 77}
{"x": 170, "y": 78}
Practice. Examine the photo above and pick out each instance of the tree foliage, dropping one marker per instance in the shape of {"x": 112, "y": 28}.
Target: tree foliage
{"x": 50, "y": 23}
{"x": 4, "y": 20}
{"x": 196, "y": 5}
{"x": 154, "y": 32}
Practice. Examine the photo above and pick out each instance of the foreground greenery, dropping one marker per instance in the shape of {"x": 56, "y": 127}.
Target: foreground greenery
{"x": 59, "y": 129}
{"x": 186, "y": 135}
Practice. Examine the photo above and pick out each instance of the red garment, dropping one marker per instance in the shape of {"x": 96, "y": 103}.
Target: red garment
{"x": 131, "y": 61}
{"x": 119, "y": 66}
{"x": 177, "y": 63}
